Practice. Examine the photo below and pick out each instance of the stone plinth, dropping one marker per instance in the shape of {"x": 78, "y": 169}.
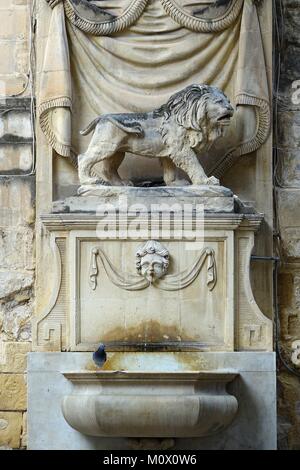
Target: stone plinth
{"x": 215, "y": 199}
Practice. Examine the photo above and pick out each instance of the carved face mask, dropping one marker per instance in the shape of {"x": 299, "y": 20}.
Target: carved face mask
{"x": 152, "y": 267}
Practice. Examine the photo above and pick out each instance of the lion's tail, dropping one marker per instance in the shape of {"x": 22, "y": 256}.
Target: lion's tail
{"x": 91, "y": 126}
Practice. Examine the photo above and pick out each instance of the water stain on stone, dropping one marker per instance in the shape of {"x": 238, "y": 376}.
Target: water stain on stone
{"x": 147, "y": 332}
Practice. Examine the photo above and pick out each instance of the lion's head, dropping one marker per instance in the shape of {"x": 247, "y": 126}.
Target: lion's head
{"x": 200, "y": 108}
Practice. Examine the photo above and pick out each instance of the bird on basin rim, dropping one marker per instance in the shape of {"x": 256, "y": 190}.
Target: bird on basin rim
{"x": 99, "y": 356}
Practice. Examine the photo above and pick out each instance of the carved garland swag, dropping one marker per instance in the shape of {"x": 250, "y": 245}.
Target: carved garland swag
{"x": 70, "y": 24}
{"x": 171, "y": 282}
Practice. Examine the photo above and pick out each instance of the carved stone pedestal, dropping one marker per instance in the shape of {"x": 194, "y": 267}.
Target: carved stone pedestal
{"x": 169, "y": 280}
{"x": 101, "y": 291}
{"x": 207, "y": 198}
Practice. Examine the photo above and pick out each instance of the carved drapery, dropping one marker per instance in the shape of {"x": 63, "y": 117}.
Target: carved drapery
{"x": 171, "y": 282}
{"x": 106, "y": 62}
{"x": 53, "y": 3}
{"x": 103, "y": 26}
{"x": 106, "y": 27}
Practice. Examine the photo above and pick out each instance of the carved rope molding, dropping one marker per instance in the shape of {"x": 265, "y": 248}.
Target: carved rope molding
{"x": 111, "y": 26}
{"x": 53, "y": 3}
{"x": 200, "y": 25}
{"x": 173, "y": 282}
{"x": 135, "y": 10}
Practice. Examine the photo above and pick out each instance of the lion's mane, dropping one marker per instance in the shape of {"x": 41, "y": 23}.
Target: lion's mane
{"x": 188, "y": 109}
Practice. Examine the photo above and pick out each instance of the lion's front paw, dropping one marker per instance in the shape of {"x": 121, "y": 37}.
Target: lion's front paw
{"x": 127, "y": 183}
{"x": 178, "y": 182}
{"x": 213, "y": 181}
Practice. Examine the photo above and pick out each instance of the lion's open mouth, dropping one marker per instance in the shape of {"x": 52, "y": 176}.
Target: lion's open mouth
{"x": 224, "y": 119}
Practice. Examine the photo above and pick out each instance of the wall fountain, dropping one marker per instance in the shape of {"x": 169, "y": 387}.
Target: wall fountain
{"x": 144, "y": 250}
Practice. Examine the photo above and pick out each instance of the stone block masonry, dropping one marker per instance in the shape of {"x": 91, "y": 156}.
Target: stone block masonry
{"x": 17, "y": 219}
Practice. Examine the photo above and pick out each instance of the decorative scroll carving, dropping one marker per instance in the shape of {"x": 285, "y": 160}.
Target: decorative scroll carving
{"x": 254, "y": 331}
{"x": 173, "y": 282}
{"x": 178, "y": 132}
{"x": 50, "y": 327}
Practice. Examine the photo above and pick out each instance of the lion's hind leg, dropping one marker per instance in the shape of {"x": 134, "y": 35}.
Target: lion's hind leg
{"x": 85, "y": 166}
{"x": 106, "y": 172}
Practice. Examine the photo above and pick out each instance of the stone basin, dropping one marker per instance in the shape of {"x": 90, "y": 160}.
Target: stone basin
{"x": 149, "y": 404}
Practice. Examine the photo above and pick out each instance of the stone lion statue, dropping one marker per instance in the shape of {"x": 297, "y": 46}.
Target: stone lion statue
{"x": 177, "y": 132}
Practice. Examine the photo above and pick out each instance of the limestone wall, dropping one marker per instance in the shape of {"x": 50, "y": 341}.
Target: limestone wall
{"x": 287, "y": 177}
{"x": 17, "y": 217}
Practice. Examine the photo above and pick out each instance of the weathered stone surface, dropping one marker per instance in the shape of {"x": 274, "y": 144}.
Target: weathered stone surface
{"x": 17, "y": 202}
{"x": 10, "y": 429}
{"x": 289, "y": 207}
{"x": 15, "y": 321}
{"x": 289, "y": 129}
{"x": 289, "y": 219}
{"x": 211, "y": 198}
{"x": 12, "y": 392}
{"x": 15, "y": 125}
{"x": 15, "y": 159}
{"x": 12, "y": 282}
{"x": 289, "y": 303}
{"x": 289, "y": 168}
{"x": 14, "y": 45}
{"x": 16, "y": 248}
{"x": 16, "y": 142}
{"x": 24, "y": 431}
{"x": 13, "y": 356}
{"x": 288, "y": 397}
{"x": 290, "y": 243}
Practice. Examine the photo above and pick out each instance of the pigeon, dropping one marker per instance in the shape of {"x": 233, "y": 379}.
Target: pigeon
{"x": 99, "y": 356}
